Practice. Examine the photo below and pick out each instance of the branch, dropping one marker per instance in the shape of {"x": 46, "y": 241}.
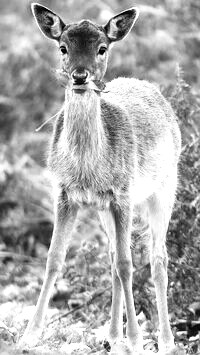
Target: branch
{"x": 21, "y": 257}
{"x": 88, "y": 302}
{"x": 95, "y": 294}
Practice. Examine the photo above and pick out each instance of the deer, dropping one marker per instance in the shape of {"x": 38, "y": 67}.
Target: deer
{"x": 115, "y": 148}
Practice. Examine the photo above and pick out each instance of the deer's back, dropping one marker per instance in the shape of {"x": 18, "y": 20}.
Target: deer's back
{"x": 143, "y": 111}
{"x": 149, "y": 114}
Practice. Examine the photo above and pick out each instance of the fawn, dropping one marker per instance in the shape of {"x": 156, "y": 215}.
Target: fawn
{"x": 118, "y": 151}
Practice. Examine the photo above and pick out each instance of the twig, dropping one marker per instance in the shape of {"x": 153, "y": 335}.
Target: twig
{"x": 185, "y": 322}
{"x": 21, "y": 257}
{"x": 48, "y": 120}
{"x": 87, "y": 303}
{"x": 184, "y": 266}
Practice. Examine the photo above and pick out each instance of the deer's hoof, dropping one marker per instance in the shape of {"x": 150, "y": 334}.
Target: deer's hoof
{"x": 176, "y": 350}
{"x": 30, "y": 338}
{"x": 121, "y": 348}
{"x": 124, "y": 347}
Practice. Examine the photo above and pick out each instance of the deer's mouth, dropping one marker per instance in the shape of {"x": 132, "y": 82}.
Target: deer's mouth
{"x": 96, "y": 85}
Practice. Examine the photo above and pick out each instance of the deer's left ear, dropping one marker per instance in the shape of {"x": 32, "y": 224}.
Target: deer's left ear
{"x": 120, "y": 25}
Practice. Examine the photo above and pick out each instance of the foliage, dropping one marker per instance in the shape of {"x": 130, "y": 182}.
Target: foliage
{"x": 184, "y": 230}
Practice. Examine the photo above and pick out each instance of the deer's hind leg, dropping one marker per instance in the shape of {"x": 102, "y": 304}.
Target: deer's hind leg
{"x": 160, "y": 208}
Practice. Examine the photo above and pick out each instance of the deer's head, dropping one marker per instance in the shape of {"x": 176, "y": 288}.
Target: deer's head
{"x": 83, "y": 45}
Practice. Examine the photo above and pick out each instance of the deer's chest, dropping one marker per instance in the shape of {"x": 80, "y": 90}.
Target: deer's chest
{"x": 90, "y": 182}
{"x": 90, "y": 187}
{"x": 99, "y": 200}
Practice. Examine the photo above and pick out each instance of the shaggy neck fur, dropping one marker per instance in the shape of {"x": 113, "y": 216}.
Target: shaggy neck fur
{"x": 83, "y": 128}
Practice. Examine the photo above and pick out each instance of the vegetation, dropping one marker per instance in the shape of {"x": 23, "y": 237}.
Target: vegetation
{"x": 163, "y": 48}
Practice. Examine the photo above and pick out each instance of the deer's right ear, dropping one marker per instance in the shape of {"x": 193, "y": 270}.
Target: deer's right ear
{"x": 48, "y": 22}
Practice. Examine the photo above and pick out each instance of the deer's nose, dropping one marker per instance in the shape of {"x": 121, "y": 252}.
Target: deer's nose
{"x": 80, "y": 76}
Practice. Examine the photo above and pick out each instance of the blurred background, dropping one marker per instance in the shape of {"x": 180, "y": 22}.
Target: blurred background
{"x": 164, "y": 48}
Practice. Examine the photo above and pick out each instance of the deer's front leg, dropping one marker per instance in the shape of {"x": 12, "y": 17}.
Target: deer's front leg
{"x": 116, "y": 324}
{"x": 64, "y": 220}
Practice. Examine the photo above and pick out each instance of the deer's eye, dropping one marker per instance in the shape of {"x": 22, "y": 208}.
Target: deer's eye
{"x": 102, "y": 50}
{"x": 63, "y": 49}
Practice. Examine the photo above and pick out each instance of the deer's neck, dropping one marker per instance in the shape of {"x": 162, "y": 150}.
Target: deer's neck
{"x": 83, "y": 134}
